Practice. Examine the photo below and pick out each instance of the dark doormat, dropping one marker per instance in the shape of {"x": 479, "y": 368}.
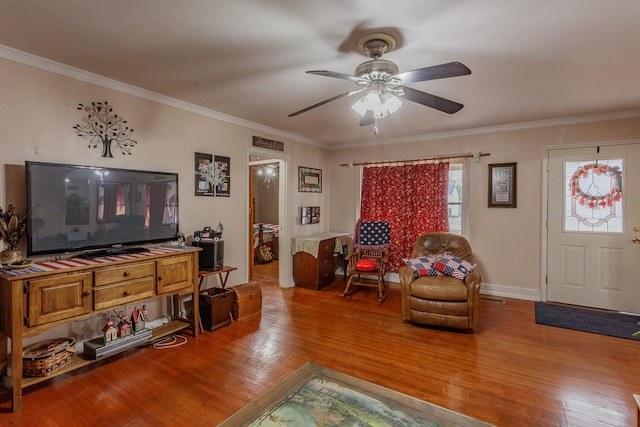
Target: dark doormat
{"x": 595, "y": 321}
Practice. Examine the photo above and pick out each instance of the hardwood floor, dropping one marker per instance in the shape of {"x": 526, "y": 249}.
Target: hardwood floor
{"x": 510, "y": 372}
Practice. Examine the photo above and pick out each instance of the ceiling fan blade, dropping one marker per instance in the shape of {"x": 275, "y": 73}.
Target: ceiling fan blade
{"x": 338, "y": 76}
{"x": 326, "y": 101}
{"x": 450, "y": 69}
{"x": 429, "y": 100}
{"x": 367, "y": 119}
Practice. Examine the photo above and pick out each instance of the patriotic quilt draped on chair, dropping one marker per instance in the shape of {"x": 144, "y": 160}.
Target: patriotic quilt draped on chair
{"x": 372, "y": 235}
{"x": 371, "y": 243}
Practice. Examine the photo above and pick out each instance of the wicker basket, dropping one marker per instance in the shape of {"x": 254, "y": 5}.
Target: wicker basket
{"x": 46, "y": 357}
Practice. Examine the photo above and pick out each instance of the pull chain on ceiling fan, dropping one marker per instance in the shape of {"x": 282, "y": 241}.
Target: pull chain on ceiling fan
{"x": 381, "y": 85}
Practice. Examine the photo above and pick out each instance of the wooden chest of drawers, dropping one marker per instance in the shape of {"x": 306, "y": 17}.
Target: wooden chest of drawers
{"x": 314, "y": 272}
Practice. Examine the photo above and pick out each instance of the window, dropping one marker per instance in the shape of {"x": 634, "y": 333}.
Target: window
{"x": 455, "y": 198}
{"x": 593, "y": 196}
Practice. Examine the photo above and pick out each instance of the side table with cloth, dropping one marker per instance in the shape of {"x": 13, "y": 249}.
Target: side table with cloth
{"x": 313, "y": 258}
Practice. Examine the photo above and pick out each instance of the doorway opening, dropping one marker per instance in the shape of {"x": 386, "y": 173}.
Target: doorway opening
{"x": 267, "y": 235}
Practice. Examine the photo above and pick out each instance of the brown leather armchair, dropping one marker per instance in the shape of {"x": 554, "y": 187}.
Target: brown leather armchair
{"x": 440, "y": 300}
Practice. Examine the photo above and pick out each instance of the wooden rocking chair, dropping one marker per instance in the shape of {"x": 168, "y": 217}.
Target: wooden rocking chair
{"x": 370, "y": 258}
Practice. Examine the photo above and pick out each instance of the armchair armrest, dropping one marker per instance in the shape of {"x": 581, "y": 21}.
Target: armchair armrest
{"x": 472, "y": 281}
{"x": 406, "y": 277}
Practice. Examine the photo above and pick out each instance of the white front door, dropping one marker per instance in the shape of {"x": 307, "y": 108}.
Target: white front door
{"x": 593, "y": 219}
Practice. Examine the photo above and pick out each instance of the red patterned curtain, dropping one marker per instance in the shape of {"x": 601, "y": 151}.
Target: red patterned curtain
{"x": 412, "y": 198}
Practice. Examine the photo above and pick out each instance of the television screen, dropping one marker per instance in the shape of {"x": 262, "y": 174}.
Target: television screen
{"x": 76, "y": 208}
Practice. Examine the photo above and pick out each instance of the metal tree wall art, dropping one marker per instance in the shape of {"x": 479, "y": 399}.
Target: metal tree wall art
{"x": 102, "y": 125}
{"x": 212, "y": 174}
{"x": 217, "y": 175}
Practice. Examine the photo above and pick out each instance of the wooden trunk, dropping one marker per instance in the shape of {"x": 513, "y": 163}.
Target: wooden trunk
{"x": 248, "y": 300}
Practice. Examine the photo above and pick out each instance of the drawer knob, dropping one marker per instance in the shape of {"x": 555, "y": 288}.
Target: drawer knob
{"x": 126, "y": 293}
{"x": 160, "y": 277}
{"x": 126, "y": 274}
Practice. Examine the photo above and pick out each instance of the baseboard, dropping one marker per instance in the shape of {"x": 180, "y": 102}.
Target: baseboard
{"x": 509, "y": 292}
{"x": 492, "y": 290}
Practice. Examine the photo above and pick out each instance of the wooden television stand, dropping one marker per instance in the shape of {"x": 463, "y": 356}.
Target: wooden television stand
{"x": 33, "y": 302}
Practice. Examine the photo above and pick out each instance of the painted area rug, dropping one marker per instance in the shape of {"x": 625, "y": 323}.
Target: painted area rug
{"x": 317, "y": 396}
{"x": 587, "y": 320}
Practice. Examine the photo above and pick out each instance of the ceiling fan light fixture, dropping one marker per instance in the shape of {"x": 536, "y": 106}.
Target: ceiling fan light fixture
{"x": 391, "y": 102}
{"x": 360, "y": 107}
{"x": 371, "y": 101}
{"x": 381, "y": 103}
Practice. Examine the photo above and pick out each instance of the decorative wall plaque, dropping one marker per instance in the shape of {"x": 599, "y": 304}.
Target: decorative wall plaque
{"x": 268, "y": 143}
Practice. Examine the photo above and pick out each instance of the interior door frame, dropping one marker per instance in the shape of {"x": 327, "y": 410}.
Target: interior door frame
{"x": 285, "y": 263}
{"x": 544, "y": 215}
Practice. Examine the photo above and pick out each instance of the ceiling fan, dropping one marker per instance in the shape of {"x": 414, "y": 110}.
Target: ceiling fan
{"x": 382, "y": 84}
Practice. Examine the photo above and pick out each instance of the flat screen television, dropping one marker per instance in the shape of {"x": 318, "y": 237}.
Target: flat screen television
{"x": 72, "y": 208}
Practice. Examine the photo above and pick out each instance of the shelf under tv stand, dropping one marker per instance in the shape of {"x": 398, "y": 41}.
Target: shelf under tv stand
{"x": 80, "y": 360}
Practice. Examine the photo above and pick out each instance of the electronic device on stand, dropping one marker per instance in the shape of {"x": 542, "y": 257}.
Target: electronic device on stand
{"x": 211, "y": 257}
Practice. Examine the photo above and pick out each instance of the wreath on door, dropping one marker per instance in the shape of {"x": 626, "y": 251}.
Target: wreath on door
{"x": 597, "y": 200}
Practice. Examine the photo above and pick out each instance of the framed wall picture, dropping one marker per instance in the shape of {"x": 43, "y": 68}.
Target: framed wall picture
{"x": 203, "y": 166}
{"x": 310, "y": 215}
{"x": 309, "y": 180}
{"x": 222, "y": 168}
{"x": 503, "y": 185}
{"x": 212, "y": 175}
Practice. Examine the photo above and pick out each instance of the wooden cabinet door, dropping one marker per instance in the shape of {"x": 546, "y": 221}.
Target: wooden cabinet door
{"x": 174, "y": 274}
{"x": 58, "y": 297}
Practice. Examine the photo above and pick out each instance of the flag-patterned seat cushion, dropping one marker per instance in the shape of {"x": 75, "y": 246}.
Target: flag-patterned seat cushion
{"x": 450, "y": 265}
{"x": 422, "y": 266}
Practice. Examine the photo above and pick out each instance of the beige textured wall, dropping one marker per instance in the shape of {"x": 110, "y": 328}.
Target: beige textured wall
{"x": 507, "y": 242}
{"x": 38, "y": 110}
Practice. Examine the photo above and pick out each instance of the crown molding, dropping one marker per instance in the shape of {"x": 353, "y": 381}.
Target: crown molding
{"x": 59, "y": 68}
{"x": 493, "y": 129}
{"x": 45, "y": 64}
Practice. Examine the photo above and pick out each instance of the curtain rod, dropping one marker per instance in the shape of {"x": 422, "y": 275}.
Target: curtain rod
{"x": 475, "y": 155}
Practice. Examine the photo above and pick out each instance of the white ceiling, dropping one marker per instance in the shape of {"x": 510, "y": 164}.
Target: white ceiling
{"x": 531, "y": 60}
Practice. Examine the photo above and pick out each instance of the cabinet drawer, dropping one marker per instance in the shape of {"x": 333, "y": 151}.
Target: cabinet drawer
{"x": 326, "y": 247}
{"x": 109, "y": 275}
{"x": 58, "y": 297}
{"x": 123, "y": 292}
{"x": 326, "y": 265}
{"x": 174, "y": 274}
